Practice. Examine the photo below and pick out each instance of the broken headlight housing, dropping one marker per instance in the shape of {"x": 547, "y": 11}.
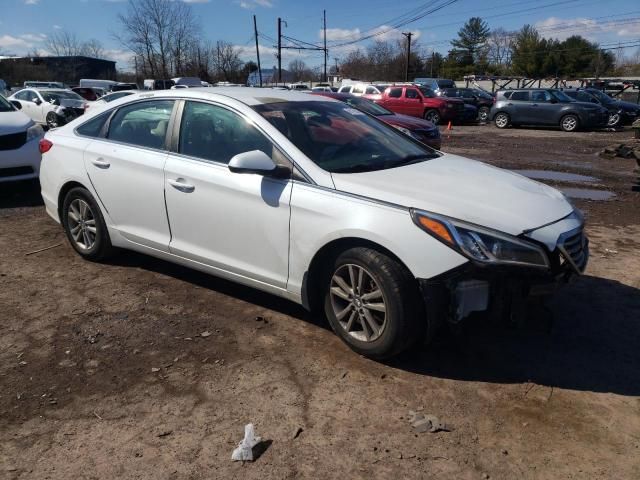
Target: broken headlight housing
{"x": 481, "y": 244}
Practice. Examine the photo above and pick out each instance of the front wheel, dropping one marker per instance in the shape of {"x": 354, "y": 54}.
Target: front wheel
{"x": 502, "y": 120}
{"x": 84, "y": 225}
{"x": 569, "y": 123}
{"x": 432, "y": 116}
{"x": 52, "y": 120}
{"x": 615, "y": 120}
{"x": 373, "y": 303}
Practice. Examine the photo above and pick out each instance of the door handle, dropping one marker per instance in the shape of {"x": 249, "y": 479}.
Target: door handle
{"x": 100, "y": 163}
{"x": 179, "y": 184}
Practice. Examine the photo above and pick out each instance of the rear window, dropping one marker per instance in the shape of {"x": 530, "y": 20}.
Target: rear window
{"x": 446, "y": 83}
{"x": 395, "y": 92}
{"x": 520, "y": 96}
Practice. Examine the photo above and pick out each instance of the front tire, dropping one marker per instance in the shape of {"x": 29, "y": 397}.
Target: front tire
{"x": 84, "y": 225}
{"x": 570, "y": 123}
{"x": 52, "y": 120}
{"x": 502, "y": 120}
{"x": 615, "y": 120}
{"x": 373, "y": 304}
{"x": 432, "y": 116}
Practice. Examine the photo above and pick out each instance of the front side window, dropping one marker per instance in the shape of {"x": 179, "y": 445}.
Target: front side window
{"x": 560, "y": 96}
{"x": 411, "y": 93}
{"x": 214, "y": 133}
{"x": 427, "y": 92}
{"x": 540, "y": 96}
{"x": 56, "y": 97}
{"x": 341, "y": 139}
{"x": 344, "y": 89}
{"x": 371, "y": 91}
{"x": 395, "y": 93}
{"x": 143, "y": 124}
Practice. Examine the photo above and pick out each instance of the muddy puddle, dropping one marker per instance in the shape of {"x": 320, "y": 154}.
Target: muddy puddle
{"x": 587, "y": 193}
{"x": 557, "y": 176}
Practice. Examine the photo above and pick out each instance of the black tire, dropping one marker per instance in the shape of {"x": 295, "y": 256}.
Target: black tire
{"x": 101, "y": 247}
{"x": 432, "y": 116}
{"x": 615, "y": 120}
{"x": 483, "y": 114}
{"x": 52, "y": 120}
{"x": 502, "y": 120}
{"x": 404, "y": 321}
{"x": 570, "y": 123}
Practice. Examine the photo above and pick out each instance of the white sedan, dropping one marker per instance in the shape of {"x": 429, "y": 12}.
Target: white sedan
{"x": 19, "y": 137}
{"x": 52, "y": 107}
{"x": 313, "y": 200}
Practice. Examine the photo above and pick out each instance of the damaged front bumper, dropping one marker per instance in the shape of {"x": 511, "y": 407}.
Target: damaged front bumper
{"x": 504, "y": 291}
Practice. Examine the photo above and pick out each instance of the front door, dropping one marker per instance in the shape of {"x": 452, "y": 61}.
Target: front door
{"x": 237, "y": 223}
{"x": 127, "y": 171}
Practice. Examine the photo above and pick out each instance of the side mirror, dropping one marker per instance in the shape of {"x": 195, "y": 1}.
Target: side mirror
{"x": 37, "y": 101}
{"x": 258, "y": 162}
{"x": 17, "y": 104}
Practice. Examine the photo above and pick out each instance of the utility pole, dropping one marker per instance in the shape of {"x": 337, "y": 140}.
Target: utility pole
{"x": 406, "y": 73}
{"x": 326, "y": 53}
{"x": 255, "y": 30}
{"x": 279, "y": 50}
{"x": 433, "y": 59}
{"x": 337, "y": 69}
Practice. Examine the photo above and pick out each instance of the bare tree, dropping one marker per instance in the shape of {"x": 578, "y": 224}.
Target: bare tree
{"x": 500, "y": 46}
{"x": 63, "y": 44}
{"x": 298, "y": 70}
{"x": 92, "y": 48}
{"x": 226, "y": 60}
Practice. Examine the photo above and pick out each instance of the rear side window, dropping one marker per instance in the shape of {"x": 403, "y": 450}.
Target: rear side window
{"x": 214, "y": 133}
{"x": 520, "y": 96}
{"x": 395, "y": 92}
{"x": 344, "y": 89}
{"x": 411, "y": 93}
{"x": 143, "y": 124}
{"x": 371, "y": 91}
{"x": 357, "y": 90}
{"x": 93, "y": 127}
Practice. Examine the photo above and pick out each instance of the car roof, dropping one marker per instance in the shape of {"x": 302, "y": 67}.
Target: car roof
{"x": 248, "y": 96}
{"x": 336, "y": 95}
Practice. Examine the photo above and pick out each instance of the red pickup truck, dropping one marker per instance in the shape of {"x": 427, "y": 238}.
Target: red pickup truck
{"x": 420, "y": 102}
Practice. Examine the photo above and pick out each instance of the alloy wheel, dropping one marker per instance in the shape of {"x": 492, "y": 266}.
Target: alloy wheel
{"x": 82, "y": 224}
{"x": 52, "y": 120}
{"x": 569, "y": 123}
{"x": 614, "y": 119}
{"x": 483, "y": 114}
{"x": 358, "y": 303}
{"x": 433, "y": 117}
{"x": 501, "y": 120}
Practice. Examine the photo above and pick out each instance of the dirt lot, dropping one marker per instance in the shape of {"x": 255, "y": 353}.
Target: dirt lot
{"x": 142, "y": 369}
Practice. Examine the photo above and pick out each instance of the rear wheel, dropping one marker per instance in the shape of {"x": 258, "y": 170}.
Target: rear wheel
{"x": 84, "y": 225}
{"x": 432, "y": 116}
{"x": 483, "y": 114}
{"x": 373, "y": 303}
{"x": 52, "y": 120}
{"x": 569, "y": 123}
{"x": 502, "y": 120}
{"x": 615, "y": 120}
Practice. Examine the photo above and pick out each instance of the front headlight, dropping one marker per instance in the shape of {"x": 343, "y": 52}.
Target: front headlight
{"x": 479, "y": 243}
{"x": 33, "y": 132}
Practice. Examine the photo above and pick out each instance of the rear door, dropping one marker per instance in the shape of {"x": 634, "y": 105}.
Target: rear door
{"x": 127, "y": 171}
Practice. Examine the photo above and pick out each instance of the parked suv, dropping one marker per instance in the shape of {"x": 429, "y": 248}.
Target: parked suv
{"x": 620, "y": 112}
{"x": 422, "y": 102}
{"x": 546, "y": 106}
{"x": 480, "y": 99}
{"x": 361, "y": 89}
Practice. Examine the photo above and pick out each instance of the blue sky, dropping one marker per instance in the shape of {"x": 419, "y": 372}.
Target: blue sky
{"x": 24, "y": 24}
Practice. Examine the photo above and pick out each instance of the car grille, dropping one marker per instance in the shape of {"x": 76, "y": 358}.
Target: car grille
{"x": 574, "y": 246}
{"x": 13, "y": 141}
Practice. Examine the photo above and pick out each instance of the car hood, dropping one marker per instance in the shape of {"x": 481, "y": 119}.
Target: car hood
{"x": 406, "y": 121}
{"x": 14, "y": 122}
{"x": 464, "y": 189}
{"x": 68, "y": 102}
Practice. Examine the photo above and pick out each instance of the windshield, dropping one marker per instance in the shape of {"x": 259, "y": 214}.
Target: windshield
{"x": 603, "y": 97}
{"x": 55, "y": 97}
{"x": 367, "y": 106}
{"x": 5, "y": 105}
{"x": 342, "y": 139}
{"x": 561, "y": 96}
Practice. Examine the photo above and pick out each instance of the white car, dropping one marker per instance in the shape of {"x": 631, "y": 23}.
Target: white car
{"x": 19, "y": 137}
{"x": 360, "y": 89}
{"x": 310, "y": 199}
{"x": 52, "y": 107}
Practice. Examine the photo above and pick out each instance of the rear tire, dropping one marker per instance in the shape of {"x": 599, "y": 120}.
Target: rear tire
{"x": 483, "y": 114}
{"x": 615, "y": 120}
{"x": 432, "y": 116}
{"x": 84, "y": 225}
{"x": 570, "y": 123}
{"x": 502, "y": 120}
{"x": 373, "y": 303}
{"x": 52, "y": 120}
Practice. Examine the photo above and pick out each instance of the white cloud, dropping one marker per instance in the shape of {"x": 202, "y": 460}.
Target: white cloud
{"x": 9, "y": 42}
{"x": 383, "y": 32}
{"x": 31, "y": 2}
{"x": 340, "y": 34}
{"x": 196, "y": 1}
{"x": 251, "y": 4}
{"x": 57, "y": 27}
{"x": 122, "y": 57}
{"x": 562, "y": 28}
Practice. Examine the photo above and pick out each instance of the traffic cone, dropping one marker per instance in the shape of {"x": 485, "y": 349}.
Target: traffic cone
{"x": 449, "y": 127}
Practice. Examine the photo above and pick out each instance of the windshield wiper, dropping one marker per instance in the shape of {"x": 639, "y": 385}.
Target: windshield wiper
{"x": 409, "y": 159}
{"x": 359, "y": 167}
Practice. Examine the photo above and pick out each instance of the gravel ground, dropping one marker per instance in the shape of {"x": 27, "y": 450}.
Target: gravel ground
{"x": 142, "y": 369}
